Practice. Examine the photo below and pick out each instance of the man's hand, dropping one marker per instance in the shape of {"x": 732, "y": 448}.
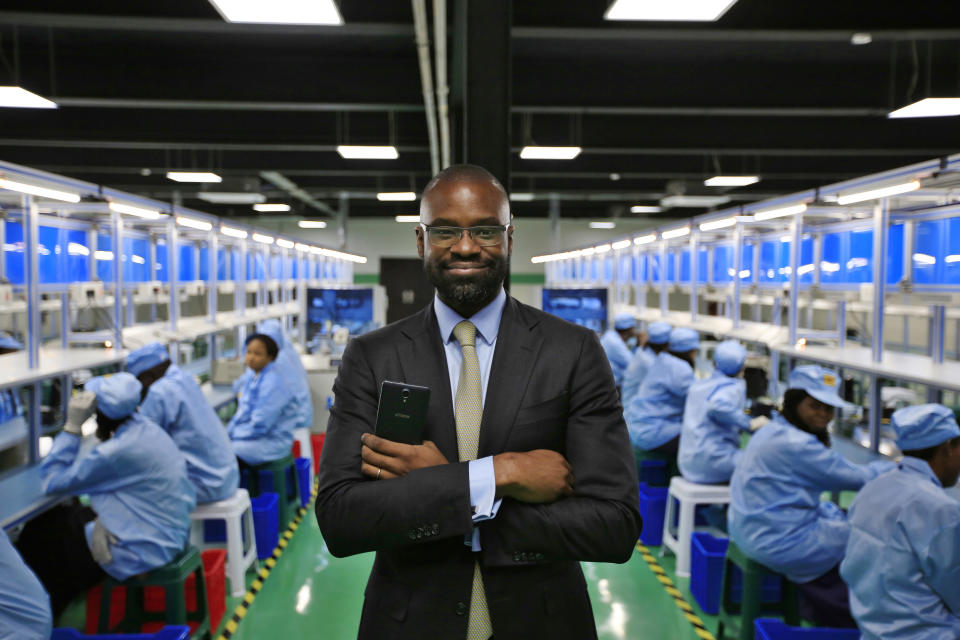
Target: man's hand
{"x": 384, "y": 459}
{"x": 533, "y": 476}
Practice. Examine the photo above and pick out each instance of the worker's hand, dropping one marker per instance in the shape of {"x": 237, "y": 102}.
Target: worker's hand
{"x": 759, "y": 421}
{"x": 384, "y": 459}
{"x": 533, "y": 476}
{"x": 82, "y": 406}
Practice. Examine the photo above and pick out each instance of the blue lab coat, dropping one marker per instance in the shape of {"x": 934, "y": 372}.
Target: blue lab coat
{"x": 291, "y": 368}
{"x": 712, "y": 421}
{"x": 903, "y": 557}
{"x": 776, "y": 516}
{"x": 618, "y": 353}
{"x": 262, "y": 428}
{"x": 177, "y": 404}
{"x": 138, "y": 486}
{"x": 655, "y": 415}
{"x": 24, "y": 605}
{"x": 641, "y": 362}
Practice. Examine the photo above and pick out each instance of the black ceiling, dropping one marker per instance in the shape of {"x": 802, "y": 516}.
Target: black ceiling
{"x": 774, "y": 88}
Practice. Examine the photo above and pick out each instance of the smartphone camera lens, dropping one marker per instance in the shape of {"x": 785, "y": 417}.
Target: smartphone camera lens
{"x": 405, "y": 394}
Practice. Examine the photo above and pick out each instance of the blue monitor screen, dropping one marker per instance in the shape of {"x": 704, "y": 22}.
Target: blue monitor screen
{"x": 350, "y": 308}
{"x": 586, "y": 307}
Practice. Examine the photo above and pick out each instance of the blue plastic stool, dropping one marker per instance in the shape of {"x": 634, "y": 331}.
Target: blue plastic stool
{"x": 741, "y": 615}
{"x": 770, "y": 629}
{"x": 266, "y": 525}
{"x": 707, "y": 555}
{"x": 167, "y": 633}
{"x": 653, "y": 507}
{"x": 303, "y": 479}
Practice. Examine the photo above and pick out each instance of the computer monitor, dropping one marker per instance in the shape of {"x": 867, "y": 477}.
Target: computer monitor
{"x": 586, "y": 307}
{"x": 352, "y": 308}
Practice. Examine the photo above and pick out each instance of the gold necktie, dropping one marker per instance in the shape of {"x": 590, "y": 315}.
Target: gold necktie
{"x": 469, "y": 412}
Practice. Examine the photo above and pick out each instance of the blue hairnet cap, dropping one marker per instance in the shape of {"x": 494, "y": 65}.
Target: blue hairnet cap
{"x": 924, "y": 426}
{"x": 624, "y": 321}
{"x": 7, "y": 341}
{"x": 273, "y": 330}
{"x": 729, "y": 357}
{"x": 117, "y": 395}
{"x": 821, "y": 383}
{"x": 147, "y": 357}
{"x": 658, "y": 332}
{"x": 683, "y": 340}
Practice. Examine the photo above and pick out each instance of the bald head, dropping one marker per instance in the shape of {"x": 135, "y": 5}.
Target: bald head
{"x": 466, "y": 178}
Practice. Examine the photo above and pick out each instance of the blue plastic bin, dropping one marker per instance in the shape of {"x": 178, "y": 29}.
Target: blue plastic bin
{"x": 303, "y": 479}
{"x": 771, "y": 629}
{"x": 653, "y": 473}
{"x": 653, "y": 506}
{"x": 167, "y": 633}
{"x": 266, "y": 523}
{"x": 707, "y": 554}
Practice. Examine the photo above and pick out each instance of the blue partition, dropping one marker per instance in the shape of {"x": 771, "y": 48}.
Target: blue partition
{"x": 186, "y": 267}
{"x": 104, "y": 257}
{"x": 203, "y": 269}
{"x": 723, "y": 263}
{"x": 936, "y": 252}
{"x": 136, "y": 256}
{"x": 163, "y": 273}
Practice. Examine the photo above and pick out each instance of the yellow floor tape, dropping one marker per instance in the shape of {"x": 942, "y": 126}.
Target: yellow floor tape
{"x": 671, "y": 589}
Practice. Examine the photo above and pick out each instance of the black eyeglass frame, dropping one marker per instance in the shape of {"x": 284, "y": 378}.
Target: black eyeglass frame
{"x": 502, "y": 228}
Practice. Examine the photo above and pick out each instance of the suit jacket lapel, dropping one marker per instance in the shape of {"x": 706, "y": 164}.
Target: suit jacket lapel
{"x": 513, "y": 360}
{"x": 424, "y": 362}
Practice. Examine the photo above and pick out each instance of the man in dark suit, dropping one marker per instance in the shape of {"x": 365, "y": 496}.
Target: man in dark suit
{"x": 526, "y": 467}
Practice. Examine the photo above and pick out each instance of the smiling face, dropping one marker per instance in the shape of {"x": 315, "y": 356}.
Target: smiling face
{"x": 467, "y": 276}
{"x": 815, "y": 414}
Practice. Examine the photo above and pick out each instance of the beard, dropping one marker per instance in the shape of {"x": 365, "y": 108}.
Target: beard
{"x": 469, "y": 291}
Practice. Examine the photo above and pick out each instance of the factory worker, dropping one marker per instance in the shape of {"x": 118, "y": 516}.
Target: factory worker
{"x": 618, "y": 343}
{"x": 776, "y": 516}
{"x": 903, "y": 557}
{"x": 140, "y": 496}
{"x": 290, "y": 367}
{"x": 655, "y": 415}
{"x": 24, "y": 605}
{"x": 173, "y": 400}
{"x": 262, "y": 429}
{"x": 9, "y": 401}
{"x": 658, "y": 335}
{"x": 713, "y": 418}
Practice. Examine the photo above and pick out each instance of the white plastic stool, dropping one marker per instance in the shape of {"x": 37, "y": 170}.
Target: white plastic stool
{"x": 237, "y": 513}
{"x": 689, "y": 495}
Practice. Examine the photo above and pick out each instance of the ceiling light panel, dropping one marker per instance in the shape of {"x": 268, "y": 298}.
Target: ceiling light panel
{"x": 407, "y": 218}
{"x": 367, "y": 152}
{"x": 193, "y": 176}
{"x": 18, "y": 97}
{"x": 279, "y": 11}
{"x": 231, "y": 197}
{"x": 271, "y": 207}
{"x": 678, "y": 10}
{"x": 549, "y": 153}
{"x": 694, "y": 201}
{"x": 731, "y": 181}
{"x": 312, "y": 224}
{"x": 603, "y": 225}
{"x": 639, "y": 208}
{"x": 929, "y": 108}
{"x": 396, "y": 196}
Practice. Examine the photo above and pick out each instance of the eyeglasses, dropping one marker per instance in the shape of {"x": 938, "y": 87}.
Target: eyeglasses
{"x": 485, "y": 236}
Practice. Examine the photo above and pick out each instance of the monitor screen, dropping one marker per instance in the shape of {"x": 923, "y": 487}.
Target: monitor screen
{"x": 328, "y": 309}
{"x": 586, "y": 307}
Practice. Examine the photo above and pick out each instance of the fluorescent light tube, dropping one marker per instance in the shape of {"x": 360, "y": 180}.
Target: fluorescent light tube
{"x": 884, "y": 192}
{"x": 639, "y": 208}
{"x": 549, "y": 153}
{"x": 193, "y": 176}
{"x": 396, "y": 196}
{"x": 694, "y": 201}
{"x": 18, "y": 97}
{"x": 676, "y": 10}
{"x": 271, "y": 207}
{"x": 603, "y": 225}
{"x": 286, "y": 244}
{"x": 589, "y": 251}
{"x": 675, "y": 233}
{"x": 929, "y": 108}
{"x": 521, "y": 197}
{"x": 770, "y": 214}
{"x": 231, "y": 197}
{"x": 279, "y": 11}
{"x": 302, "y": 247}
{"x": 262, "y": 239}
{"x": 317, "y": 251}
{"x": 193, "y": 223}
{"x": 140, "y": 212}
{"x": 647, "y": 239}
{"x": 367, "y": 152}
{"x": 731, "y": 181}
{"x": 407, "y": 218}
{"x": 602, "y": 248}
{"x": 621, "y": 244}
{"x": 713, "y": 225}
{"x": 42, "y": 192}
{"x": 312, "y": 224}
{"x": 233, "y": 233}
{"x": 539, "y": 259}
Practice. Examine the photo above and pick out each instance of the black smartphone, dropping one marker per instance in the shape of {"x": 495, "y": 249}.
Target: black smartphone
{"x": 402, "y": 412}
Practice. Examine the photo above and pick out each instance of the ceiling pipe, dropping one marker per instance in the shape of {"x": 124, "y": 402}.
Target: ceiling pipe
{"x": 280, "y": 181}
{"x": 426, "y": 79}
{"x": 443, "y": 88}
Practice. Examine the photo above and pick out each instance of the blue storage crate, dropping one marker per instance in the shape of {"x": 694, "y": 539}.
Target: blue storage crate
{"x": 771, "y": 629}
{"x": 707, "y": 554}
{"x": 266, "y": 523}
{"x": 303, "y": 479}
{"x": 653, "y": 507}
{"x": 167, "y": 633}
{"x": 653, "y": 473}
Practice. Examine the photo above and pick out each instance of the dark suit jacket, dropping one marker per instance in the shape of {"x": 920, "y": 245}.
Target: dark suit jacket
{"x": 550, "y": 387}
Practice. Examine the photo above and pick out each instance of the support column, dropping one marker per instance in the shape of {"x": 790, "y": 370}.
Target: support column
{"x": 117, "y": 225}
{"x": 737, "y": 268}
{"x": 694, "y": 273}
{"x": 342, "y": 213}
{"x": 31, "y": 239}
{"x": 796, "y": 232}
{"x": 555, "y": 222}
{"x": 881, "y": 220}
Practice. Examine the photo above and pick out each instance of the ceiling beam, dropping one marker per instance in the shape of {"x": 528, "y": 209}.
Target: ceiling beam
{"x": 750, "y": 112}
{"x": 607, "y": 34}
{"x": 232, "y": 105}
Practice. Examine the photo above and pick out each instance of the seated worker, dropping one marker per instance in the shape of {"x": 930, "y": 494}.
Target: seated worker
{"x": 24, "y": 605}
{"x": 658, "y": 335}
{"x": 776, "y": 516}
{"x": 173, "y": 400}
{"x": 290, "y": 367}
{"x": 9, "y": 401}
{"x": 618, "y": 343}
{"x": 655, "y": 415}
{"x": 713, "y": 418}
{"x": 140, "y": 496}
{"x": 267, "y": 412}
{"x": 903, "y": 556}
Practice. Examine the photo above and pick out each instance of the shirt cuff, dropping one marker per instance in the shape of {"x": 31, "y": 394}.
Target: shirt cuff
{"x": 484, "y": 503}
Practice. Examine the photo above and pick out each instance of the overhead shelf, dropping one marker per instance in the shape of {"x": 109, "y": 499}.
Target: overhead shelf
{"x": 15, "y": 370}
